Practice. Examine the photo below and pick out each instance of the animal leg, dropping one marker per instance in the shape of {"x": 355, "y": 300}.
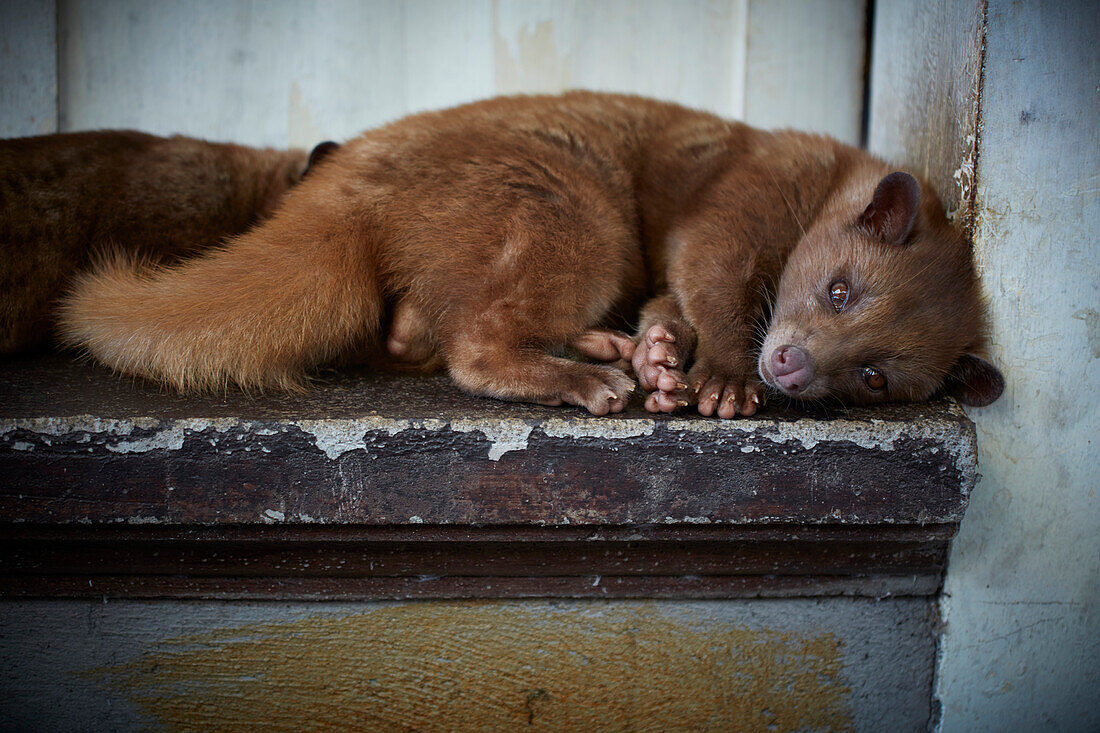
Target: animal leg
{"x": 722, "y": 305}
{"x": 603, "y": 344}
{"x": 410, "y": 336}
{"x": 507, "y": 371}
{"x": 665, "y": 343}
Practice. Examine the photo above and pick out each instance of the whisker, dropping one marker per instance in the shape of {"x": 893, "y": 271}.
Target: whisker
{"x": 788, "y": 203}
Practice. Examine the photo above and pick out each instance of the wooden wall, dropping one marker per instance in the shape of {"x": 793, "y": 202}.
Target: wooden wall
{"x": 28, "y": 68}
{"x": 292, "y": 73}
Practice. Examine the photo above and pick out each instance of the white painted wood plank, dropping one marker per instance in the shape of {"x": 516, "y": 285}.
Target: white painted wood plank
{"x": 295, "y": 72}
{"x": 28, "y": 67}
{"x": 448, "y": 55}
{"x": 690, "y": 52}
{"x": 283, "y": 72}
{"x": 925, "y": 72}
{"x": 272, "y": 73}
{"x": 804, "y": 65}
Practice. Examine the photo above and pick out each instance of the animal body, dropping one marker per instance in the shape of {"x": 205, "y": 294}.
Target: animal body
{"x": 64, "y": 198}
{"x": 501, "y": 237}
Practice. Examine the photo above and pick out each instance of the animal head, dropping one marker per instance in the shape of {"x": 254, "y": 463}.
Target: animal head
{"x": 880, "y": 302}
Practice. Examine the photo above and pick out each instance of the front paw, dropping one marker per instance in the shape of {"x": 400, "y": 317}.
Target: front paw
{"x": 657, "y": 363}
{"x": 725, "y": 394}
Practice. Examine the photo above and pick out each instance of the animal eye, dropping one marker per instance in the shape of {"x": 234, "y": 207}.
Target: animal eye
{"x": 874, "y": 379}
{"x": 838, "y": 295}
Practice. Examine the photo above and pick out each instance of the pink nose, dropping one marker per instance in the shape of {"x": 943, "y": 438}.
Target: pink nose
{"x": 793, "y": 370}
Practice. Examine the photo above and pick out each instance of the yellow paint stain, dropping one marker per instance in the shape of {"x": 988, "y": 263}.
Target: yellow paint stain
{"x": 301, "y": 130}
{"x": 493, "y": 665}
{"x": 537, "y": 66}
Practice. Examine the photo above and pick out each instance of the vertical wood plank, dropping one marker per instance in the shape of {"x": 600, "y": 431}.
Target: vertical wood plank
{"x": 283, "y": 72}
{"x": 804, "y": 65}
{"x": 448, "y": 54}
{"x": 690, "y": 52}
{"x": 28, "y": 67}
{"x": 925, "y": 80}
{"x": 265, "y": 73}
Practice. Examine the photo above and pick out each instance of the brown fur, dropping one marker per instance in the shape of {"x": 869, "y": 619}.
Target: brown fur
{"x": 500, "y": 233}
{"x": 66, "y": 198}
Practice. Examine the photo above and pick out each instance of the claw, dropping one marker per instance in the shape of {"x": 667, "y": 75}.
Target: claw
{"x": 665, "y": 336}
{"x": 756, "y": 398}
{"x": 681, "y": 385}
{"x": 682, "y": 403}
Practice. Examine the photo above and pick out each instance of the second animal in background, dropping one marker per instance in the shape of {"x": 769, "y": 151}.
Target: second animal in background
{"x": 66, "y": 199}
{"x": 504, "y": 231}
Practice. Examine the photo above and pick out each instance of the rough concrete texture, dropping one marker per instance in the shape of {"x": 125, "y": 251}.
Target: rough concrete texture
{"x": 1021, "y": 651}
{"x": 799, "y": 665}
{"x": 78, "y": 446}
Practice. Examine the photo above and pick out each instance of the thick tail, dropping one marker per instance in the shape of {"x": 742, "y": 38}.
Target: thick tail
{"x": 257, "y": 313}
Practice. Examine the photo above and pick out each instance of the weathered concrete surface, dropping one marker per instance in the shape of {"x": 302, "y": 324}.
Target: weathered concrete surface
{"x": 79, "y": 446}
{"x": 381, "y": 486}
{"x": 570, "y": 665}
{"x": 1021, "y": 648}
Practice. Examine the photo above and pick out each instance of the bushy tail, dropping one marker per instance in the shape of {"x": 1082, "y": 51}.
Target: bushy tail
{"x": 257, "y": 313}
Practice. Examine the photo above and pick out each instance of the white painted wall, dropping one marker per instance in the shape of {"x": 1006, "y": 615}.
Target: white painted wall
{"x": 805, "y": 66}
{"x": 998, "y": 103}
{"x": 1021, "y": 649}
{"x": 292, "y": 72}
{"x": 28, "y": 68}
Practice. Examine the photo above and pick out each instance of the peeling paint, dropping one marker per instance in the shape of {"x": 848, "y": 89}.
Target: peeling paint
{"x": 504, "y": 434}
{"x": 335, "y": 437}
{"x": 873, "y": 434}
{"x": 695, "y": 425}
{"x": 881, "y": 435}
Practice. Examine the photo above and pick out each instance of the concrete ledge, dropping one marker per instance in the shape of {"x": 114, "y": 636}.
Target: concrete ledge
{"x": 379, "y": 486}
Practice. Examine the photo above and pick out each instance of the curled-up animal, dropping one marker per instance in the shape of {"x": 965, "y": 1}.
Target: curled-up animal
{"x": 503, "y": 238}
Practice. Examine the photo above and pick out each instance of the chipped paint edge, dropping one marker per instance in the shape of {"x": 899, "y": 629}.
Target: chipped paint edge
{"x": 337, "y": 437}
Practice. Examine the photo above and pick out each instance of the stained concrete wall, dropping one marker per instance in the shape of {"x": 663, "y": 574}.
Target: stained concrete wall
{"x": 1021, "y": 650}
{"x": 997, "y": 102}
{"x": 796, "y": 665}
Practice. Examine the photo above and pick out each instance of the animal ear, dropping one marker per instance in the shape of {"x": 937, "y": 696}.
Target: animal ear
{"x": 319, "y": 153}
{"x": 889, "y": 217}
{"x": 974, "y": 381}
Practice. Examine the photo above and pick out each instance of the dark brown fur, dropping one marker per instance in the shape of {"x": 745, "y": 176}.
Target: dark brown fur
{"x": 66, "y": 198}
{"x": 505, "y": 231}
